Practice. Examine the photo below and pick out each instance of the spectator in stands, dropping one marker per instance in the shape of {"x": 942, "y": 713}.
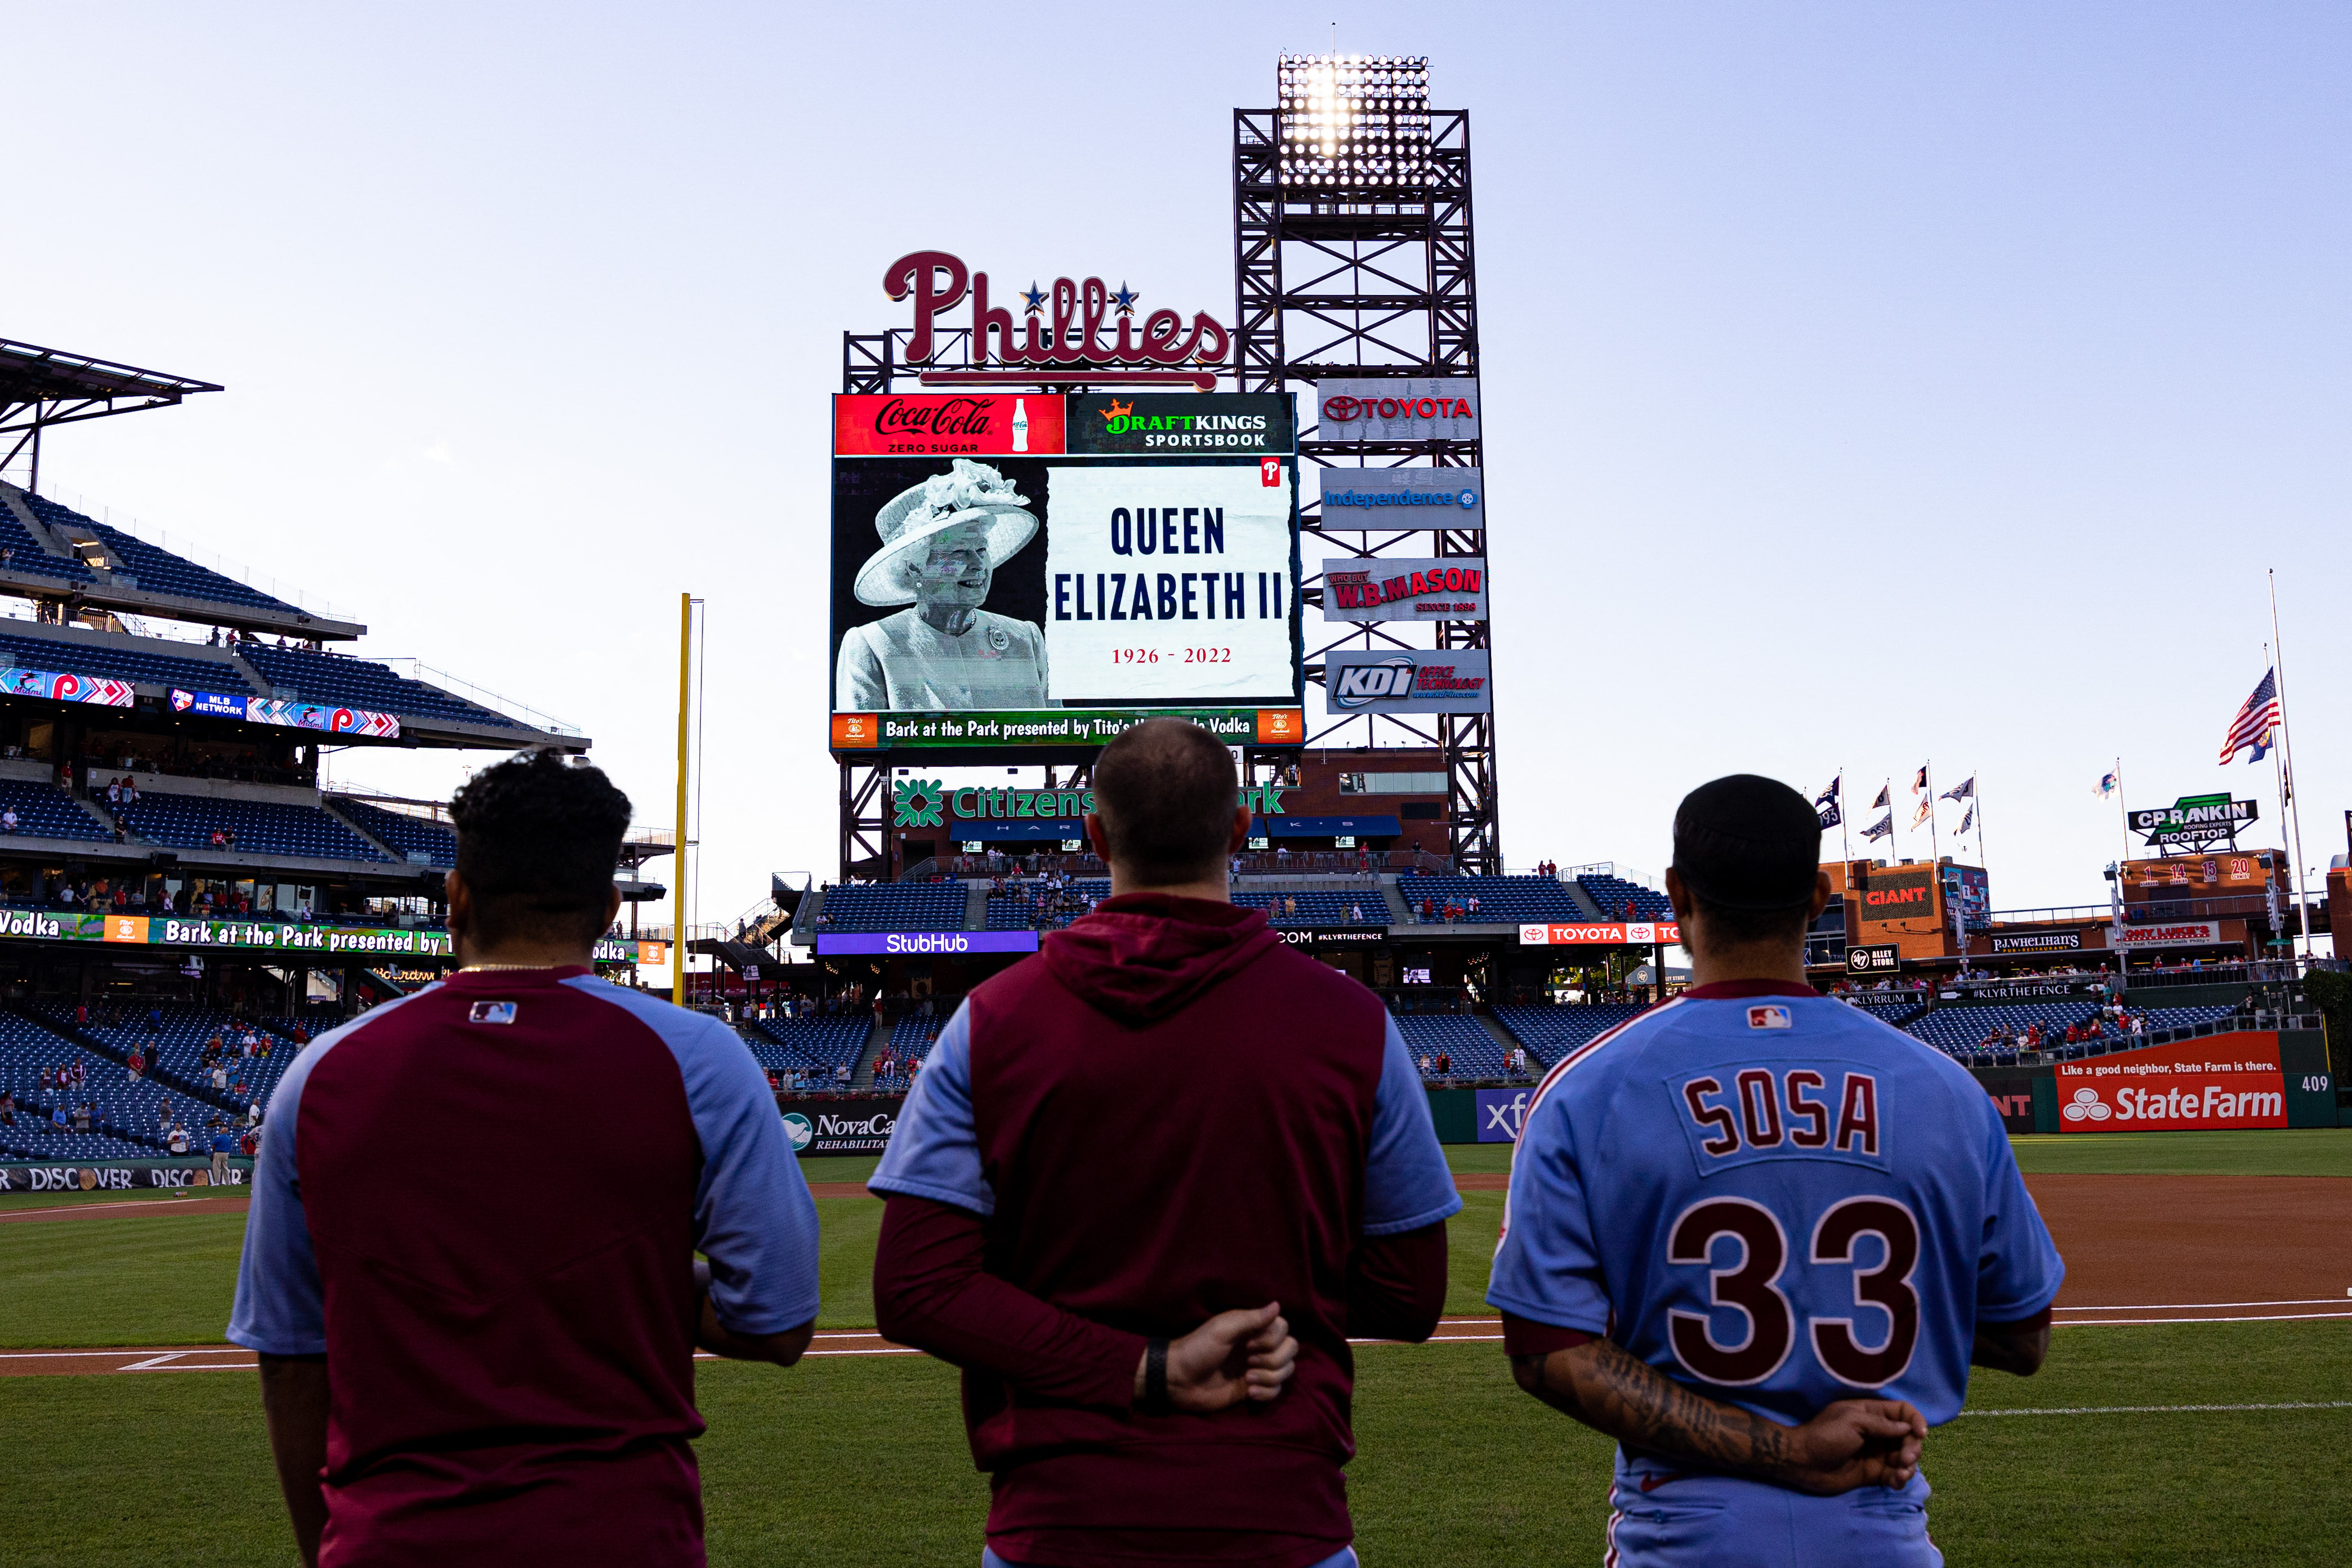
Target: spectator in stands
{"x": 1290, "y": 906}
{"x": 1473, "y": 906}
{"x": 177, "y": 1140}
{"x": 136, "y": 1064}
{"x": 81, "y": 1117}
{"x": 1445, "y": 1064}
{"x": 223, "y": 1144}
{"x": 1355, "y": 914}
{"x": 1128, "y": 1188}
{"x": 8, "y": 1108}
{"x": 8, "y": 823}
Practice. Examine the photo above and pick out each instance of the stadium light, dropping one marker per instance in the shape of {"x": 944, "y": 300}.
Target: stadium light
{"x": 1353, "y": 123}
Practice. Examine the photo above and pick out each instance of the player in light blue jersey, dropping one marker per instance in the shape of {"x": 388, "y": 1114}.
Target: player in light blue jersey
{"x": 1759, "y": 1236}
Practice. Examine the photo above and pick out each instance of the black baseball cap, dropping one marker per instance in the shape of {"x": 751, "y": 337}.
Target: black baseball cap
{"x": 1748, "y": 842}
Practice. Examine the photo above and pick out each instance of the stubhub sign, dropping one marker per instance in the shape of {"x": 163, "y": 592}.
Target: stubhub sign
{"x": 917, "y": 943}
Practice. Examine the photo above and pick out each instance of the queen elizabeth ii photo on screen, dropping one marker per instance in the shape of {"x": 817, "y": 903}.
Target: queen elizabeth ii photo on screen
{"x": 942, "y": 541}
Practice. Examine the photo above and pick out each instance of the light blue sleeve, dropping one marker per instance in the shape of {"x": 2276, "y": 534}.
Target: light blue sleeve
{"x": 2018, "y": 1267}
{"x": 1547, "y": 1269}
{"x": 1407, "y": 1184}
{"x": 753, "y": 1216}
{"x": 280, "y": 1307}
{"x": 934, "y": 1150}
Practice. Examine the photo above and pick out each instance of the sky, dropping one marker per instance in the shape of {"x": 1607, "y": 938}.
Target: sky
{"x": 1867, "y": 384}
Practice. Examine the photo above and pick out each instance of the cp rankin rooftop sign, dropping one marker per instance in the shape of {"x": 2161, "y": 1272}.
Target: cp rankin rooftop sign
{"x": 1059, "y": 350}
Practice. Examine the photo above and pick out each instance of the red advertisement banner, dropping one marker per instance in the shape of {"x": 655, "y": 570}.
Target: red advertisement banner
{"x": 947, "y": 425}
{"x": 1608, "y": 934}
{"x": 2221, "y": 1081}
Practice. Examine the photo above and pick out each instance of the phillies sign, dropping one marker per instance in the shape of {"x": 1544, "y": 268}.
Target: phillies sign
{"x": 1081, "y": 313}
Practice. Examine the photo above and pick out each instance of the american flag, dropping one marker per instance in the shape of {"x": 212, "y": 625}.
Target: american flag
{"x": 2255, "y": 720}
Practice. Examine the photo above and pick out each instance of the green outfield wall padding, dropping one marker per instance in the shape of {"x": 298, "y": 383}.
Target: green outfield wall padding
{"x": 1456, "y": 1114}
{"x": 2045, "y": 1100}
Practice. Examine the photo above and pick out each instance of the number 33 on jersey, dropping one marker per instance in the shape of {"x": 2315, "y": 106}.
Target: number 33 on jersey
{"x": 1767, "y": 1193}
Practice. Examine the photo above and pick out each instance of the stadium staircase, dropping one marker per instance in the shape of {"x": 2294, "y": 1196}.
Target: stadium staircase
{"x": 975, "y": 905}
{"x": 861, "y": 1077}
{"x": 1585, "y": 902}
{"x": 81, "y": 1039}
{"x": 97, "y": 813}
{"x": 1504, "y": 1038}
{"x": 351, "y": 821}
{"x": 1398, "y": 913}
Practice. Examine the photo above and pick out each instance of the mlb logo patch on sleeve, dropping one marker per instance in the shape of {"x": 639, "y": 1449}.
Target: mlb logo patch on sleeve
{"x": 504, "y": 1012}
{"x": 1769, "y": 1018}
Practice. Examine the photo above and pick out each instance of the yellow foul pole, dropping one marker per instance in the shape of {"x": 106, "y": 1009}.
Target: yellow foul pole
{"x": 677, "y": 892}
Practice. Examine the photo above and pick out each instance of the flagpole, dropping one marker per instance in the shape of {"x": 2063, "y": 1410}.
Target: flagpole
{"x": 2288, "y": 801}
{"x": 2123, "y": 816}
{"x": 1934, "y": 845}
{"x": 1983, "y": 858}
{"x": 1845, "y": 833}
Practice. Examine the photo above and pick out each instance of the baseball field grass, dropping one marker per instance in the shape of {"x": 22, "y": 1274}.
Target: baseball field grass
{"x": 852, "y": 1460}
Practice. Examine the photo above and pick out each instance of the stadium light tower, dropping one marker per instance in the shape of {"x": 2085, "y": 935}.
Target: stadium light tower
{"x": 1352, "y": 259}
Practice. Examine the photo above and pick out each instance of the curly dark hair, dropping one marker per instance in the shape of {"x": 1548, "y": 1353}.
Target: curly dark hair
{"x": 538, "y": 840}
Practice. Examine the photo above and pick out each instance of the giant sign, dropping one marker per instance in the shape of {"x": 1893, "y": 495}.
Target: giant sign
{"x": 1113, "y": 555}
{"x": 1376, "y": 498}
{"x": 2221, "y": 1080}
{"x": 1406, "y": 680}
{"x": 1902, "y": 893}
{"x": 1387, "y": 409}
{"x": 1392, "y": 587}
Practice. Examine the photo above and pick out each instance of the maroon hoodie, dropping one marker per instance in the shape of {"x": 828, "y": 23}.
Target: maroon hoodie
{"x": 1173, "y": 1110}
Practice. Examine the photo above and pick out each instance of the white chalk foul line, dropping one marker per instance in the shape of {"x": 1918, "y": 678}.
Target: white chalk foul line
{"x": 2262, "y": 1318}
{"x": 2169, "y": 1409}
{"x": 2200, "y": 1306}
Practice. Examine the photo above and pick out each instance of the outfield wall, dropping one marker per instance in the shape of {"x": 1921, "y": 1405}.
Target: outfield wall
{"x": 129, "y": 1177}
{"x": 2245, "y": 1079}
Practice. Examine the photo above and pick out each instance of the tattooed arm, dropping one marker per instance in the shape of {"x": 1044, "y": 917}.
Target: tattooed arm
{"x": 1852, "y": 1443}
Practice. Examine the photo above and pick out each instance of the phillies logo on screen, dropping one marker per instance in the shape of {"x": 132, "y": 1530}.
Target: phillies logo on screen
{"x": 1080, "y": 314}
{"x": 1269, "y": 473}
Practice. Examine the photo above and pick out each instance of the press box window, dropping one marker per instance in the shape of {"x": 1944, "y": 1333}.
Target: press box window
{"x": 1413, "y": 976}
{"x": 1392, "y": 784}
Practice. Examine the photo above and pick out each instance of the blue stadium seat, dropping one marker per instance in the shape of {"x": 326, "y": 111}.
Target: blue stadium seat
{"x": 46, "y": 811}
{"x": 1550, "y": 1032}
{"x": 893, "y": 906}
{"x": 146, "y": 662}
{"x": 822, "y": 1044}
{"x": 262, "y": 827}
{"x": 1501, "y": 899}
{"x": 1612, "y": 894}
{"x": 157, "y": 570}
{"x": 1365, "y": 907}
{"x": 409, "y": 835}
{"x": 362, "y": 684}
{"x": 1472, "y": 1050}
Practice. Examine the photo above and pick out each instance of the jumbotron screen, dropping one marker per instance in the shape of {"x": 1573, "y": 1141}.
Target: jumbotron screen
{"x": 1029, "y": 572}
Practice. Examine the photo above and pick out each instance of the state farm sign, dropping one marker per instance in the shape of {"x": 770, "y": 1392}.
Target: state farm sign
{"x": 2221, "y": 1081}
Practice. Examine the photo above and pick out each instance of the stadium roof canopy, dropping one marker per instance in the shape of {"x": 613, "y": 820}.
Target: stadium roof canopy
{"x": 41, "y": 387}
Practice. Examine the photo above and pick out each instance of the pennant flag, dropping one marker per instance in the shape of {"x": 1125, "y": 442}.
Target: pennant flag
{"x": 1831, "y": 803}
{"x": 1927, "y": 810}
{"x": 1967, "y": 822}
{"x": 1879, "y": 804}
{"x": 2256, "y": 719}
{"x": 2108, "y": 784}
{"x": 1965, "y": 789}
{"x": 1881, "y": 828}
{"x": 1919, "y": 779}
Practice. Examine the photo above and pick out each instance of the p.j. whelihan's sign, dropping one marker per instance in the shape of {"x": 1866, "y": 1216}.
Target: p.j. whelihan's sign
{"x": 1065, "y": 326}
{"x": 920, "y": 802}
